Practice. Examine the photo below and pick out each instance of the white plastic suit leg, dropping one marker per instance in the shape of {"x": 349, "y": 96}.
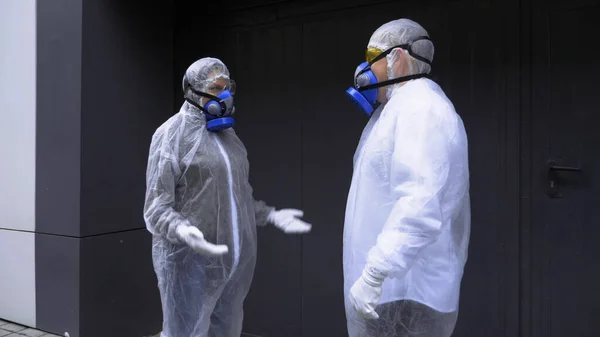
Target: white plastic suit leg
{"x": 199, "y": 298}
{"x": 411, "y": 319}
{"x": 186, "y": 296}
{"x": 228, "y": 314}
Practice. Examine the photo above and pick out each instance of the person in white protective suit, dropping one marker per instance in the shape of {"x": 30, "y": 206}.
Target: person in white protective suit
{"x": 407, "y": 222}
{"x": 200, "y": 209}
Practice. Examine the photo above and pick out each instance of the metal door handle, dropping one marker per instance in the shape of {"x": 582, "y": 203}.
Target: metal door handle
{"x": 553, "y": 167}
{"x": 554, "y": 179}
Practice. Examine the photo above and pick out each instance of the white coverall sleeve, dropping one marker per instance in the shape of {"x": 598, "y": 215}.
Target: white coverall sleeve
{"x": 418, "y": 179}
{"x": 262, "y": 211}
{"x": 161, "y": 178}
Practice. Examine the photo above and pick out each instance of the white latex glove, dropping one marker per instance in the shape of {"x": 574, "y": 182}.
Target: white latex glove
{"x": 288, "y": 221}
{"x": 194, "y": 238}
{"x": 366, "y": 293}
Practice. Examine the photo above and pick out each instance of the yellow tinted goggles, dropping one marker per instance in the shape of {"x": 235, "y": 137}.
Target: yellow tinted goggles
{"x": 372, "y": 53}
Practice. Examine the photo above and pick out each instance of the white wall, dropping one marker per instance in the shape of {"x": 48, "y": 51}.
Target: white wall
{"x": 17, "y": 273}
{"x": 17, "y": 160}
{"x": 17, "y": 114}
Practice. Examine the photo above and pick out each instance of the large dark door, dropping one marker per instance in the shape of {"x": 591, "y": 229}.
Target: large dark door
{"x": 566, "y": 138}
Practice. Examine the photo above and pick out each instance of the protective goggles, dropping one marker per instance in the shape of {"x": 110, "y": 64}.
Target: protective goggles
{"x": 215, "y": 89}
{"x": 373, "y": 55}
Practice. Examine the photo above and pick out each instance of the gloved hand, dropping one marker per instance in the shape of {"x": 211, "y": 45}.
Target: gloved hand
{"x": 366, "y": 293}
{"x": 194, "y": 238}
{"x": 288, "y": 221}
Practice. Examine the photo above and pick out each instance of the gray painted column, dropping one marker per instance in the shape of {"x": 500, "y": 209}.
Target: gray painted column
{"x": 104, "y": 84}
{"x": 58, "y": 150}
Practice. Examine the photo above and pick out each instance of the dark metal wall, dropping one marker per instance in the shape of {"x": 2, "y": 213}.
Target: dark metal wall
{"x": 292, "y": 61}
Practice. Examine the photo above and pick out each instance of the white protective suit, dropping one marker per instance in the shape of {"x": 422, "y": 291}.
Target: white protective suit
{"x": 198, "y": 179}
{"x": 408, "y": 209}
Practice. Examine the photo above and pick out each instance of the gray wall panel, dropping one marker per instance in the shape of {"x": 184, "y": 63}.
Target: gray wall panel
{"x": 119, "y": 291}
{"x": 58, "y": 165}
{"x": 127, "y": 93}
{"x": 58, "y": 116}
{"x": 57, "y": 263}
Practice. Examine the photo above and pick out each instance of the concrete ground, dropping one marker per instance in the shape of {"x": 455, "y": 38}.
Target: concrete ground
{"x": 8, "y": 329}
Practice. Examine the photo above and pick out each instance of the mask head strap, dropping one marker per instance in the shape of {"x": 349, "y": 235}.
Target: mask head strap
{"x": 406, "y": 46}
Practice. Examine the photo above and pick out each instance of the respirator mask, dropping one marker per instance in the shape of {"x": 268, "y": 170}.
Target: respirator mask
{"x": 219, "y": 109}
{"x": 366, "y": 85}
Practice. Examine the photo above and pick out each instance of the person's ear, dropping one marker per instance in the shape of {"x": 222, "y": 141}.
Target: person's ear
{"x": 400, "y": 67}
